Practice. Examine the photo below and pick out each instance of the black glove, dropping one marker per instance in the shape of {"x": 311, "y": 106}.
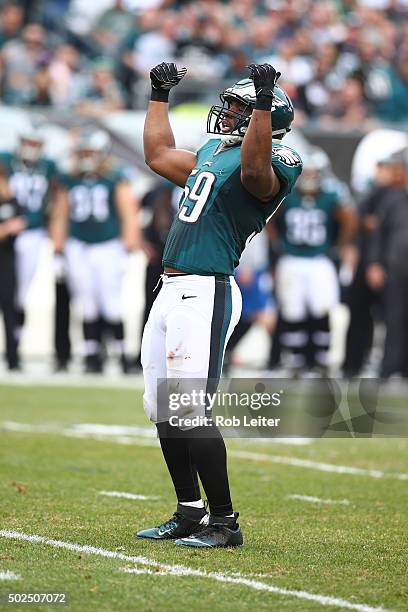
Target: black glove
{"x": 163, "y": 77}
{"x": 264, "y": 77}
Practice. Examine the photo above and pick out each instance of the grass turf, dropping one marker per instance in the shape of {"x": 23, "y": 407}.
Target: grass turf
{"x": 49, "y": 486}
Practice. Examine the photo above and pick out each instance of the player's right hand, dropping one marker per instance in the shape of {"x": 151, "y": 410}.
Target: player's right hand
{"x": 164, "y": 76}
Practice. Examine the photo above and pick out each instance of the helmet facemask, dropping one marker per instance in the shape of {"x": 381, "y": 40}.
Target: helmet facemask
{"x": 88, "y": 161}
{"x": 220, "y": 114}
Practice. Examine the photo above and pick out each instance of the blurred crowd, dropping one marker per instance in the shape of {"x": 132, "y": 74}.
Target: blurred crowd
{"x": 344, "y": 62}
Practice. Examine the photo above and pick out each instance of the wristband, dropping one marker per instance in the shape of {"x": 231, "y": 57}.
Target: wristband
{"x": 264, "y": 102}
{"x": 160, "y": 95}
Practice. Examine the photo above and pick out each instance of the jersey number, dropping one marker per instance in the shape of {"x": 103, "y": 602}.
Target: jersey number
{"x": 29, "y": 190}
{"x": 306, "y": 226}
{"x": 87, "y": 202}
{"x": 194, "y": 200}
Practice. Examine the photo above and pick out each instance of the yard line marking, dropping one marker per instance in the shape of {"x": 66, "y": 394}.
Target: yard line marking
{"x": 316, "y": 465}
{"x": 73, "y": 431}
{"x": 181, "y": 570}
{"x": 128, "y": 495}
{"x": 113, "y": 430}
{"x": 124, "y": 432}
{"x": 318, "y": 500}
{"x": 137, "y": 570}
{"x": 9, "y": 576}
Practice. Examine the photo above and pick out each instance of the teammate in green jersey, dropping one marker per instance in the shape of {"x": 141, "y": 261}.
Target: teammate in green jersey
{"x": 32, "y": 180}
{"x": 318, "y": 217}
{"x": 94, "y": 224}
{"x": 232, "y": 185}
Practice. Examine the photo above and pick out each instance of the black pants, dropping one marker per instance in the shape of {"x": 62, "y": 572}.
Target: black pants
{"x": 360, "y": 299}
{"x": 7, "y": 303}
{"x": 395, "y": 358}
{"x": 62, "y": 342}
{"x": 153, "y": 272}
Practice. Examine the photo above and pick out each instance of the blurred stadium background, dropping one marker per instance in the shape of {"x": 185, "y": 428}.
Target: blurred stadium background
{"x": 67, "y": 66}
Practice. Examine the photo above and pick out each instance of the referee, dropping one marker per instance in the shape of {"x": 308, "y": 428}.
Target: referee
{"x": 11, "y": 223}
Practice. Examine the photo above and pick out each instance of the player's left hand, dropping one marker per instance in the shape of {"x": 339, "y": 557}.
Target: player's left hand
{"x": 264, "y": 77}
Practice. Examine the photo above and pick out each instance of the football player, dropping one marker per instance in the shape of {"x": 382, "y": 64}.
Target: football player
{"x": 232, "y": 185}
{"x": 32, "y": 179}
{"x": 317, "y": 216}
{"x": 97, "y": 210}
{"x": 12, "y": 223}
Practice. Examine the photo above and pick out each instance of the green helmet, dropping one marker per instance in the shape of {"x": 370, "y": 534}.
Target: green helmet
{"x": 244, "y": 91}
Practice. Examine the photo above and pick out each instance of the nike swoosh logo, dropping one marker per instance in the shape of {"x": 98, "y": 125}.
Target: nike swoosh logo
{"x": 187, "y": 297}
{"x": 164, "y": 532}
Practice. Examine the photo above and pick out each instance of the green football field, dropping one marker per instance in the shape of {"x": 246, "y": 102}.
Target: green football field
{"x": 325, "y": 523}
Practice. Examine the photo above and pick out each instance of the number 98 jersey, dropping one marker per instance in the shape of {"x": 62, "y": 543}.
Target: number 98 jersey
{"x": 93, "y": 213}
{"x": 217, "y": 216}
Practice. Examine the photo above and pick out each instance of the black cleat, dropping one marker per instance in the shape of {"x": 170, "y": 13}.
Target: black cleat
{"x": 184, "y": 522}
{"x": 222, "y": 532}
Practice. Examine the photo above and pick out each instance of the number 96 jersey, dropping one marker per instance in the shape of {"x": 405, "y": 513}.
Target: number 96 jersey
{"x": 307, "y": 227}
{"x": 93, "y": 213}
{"x": 217, "y": 216}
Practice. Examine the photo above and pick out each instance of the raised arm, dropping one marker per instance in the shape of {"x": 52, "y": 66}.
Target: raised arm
{"x": 257, "y": 174}
{"x": 160, "y": 150}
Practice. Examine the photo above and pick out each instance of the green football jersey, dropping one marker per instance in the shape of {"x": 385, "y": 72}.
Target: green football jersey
{"x": 308, "y": 224}
{"x": 217, "y": 216}
{"x": 93, "y": 213}
{"x": 30, "y": 185}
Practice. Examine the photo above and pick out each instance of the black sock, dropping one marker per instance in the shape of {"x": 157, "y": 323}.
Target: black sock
{"x": 116, "y": 331}
{"x": 92, "y": 337}
{"x": 176, "y": 451}
{"x": 294, "y": 340}
{"x": 320, "y": 340}
{"x": 210, "y": 458}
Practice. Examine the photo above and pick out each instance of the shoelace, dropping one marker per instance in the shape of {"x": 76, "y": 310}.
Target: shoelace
{"x": 172, "y": 522}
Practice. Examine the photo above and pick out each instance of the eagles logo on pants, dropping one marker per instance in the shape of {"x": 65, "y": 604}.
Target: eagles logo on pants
{"x": 186, "y": 334}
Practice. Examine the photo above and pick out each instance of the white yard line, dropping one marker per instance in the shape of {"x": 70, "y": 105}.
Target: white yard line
{"x": 102, "y": 432}
{"x": 128, "y": 495}
{"x": 181, "y": 570}
{"x": 9, "y": 576}
{"x": 85, "y": 430}
{"x": 318, "y": 500}
{"x": 316, "y": 465}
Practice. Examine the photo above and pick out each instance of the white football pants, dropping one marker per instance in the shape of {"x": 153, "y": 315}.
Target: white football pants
{"x": 95, "y": 274}
{"x": 306, "y": 286}
{"x": 28, "y": 250}
{"x": 185, "y": 336}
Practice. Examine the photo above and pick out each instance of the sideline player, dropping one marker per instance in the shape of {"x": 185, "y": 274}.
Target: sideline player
{"x": 96, "y": 208}
{"x": 12, "y": 223}
{"x": 32, "y": 180}
{"x": 232, "y": 185}
{"x": 318, "y": 216}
